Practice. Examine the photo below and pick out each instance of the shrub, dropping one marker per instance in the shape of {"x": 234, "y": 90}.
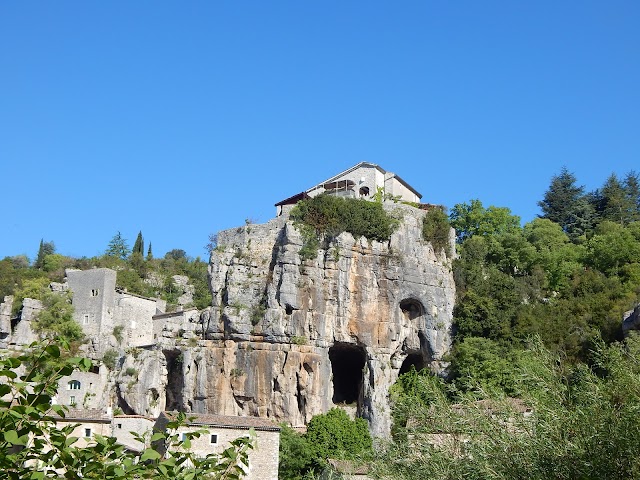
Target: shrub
{"x": 327, "y": 216}
{"x": 117, "y": 333}
{"x": 435, "y": 229}
{"x": 110, "y": 358}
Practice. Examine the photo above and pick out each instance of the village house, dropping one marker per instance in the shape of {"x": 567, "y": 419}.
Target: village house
{"x": 220, "y": 430}
{"x": 363, "y": 180}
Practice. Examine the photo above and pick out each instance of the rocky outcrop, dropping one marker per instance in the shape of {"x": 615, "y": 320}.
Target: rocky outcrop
{"x": 631, "y": 320}
{"x": 288, "y": 339}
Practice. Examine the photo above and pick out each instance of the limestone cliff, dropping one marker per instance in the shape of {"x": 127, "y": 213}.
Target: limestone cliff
{"x": 289, "y": 339}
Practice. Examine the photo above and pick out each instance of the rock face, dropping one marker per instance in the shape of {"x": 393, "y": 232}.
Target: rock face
{"x": 631, "y": 320}
{"x": 288, "y": 339}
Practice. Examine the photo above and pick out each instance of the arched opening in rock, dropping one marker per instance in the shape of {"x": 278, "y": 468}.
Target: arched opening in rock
{"x": 347, "y": 364}
{"x": 288, "y": 309}
{"x": 175, "y": 380}
{"x": 414, "y": 359}
{"x": 411, "y": 308}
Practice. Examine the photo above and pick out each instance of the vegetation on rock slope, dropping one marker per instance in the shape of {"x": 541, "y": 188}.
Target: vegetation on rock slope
{"x": 146, "y": 276}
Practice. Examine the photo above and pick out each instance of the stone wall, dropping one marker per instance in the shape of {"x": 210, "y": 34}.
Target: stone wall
{"x": 84, "y": 389}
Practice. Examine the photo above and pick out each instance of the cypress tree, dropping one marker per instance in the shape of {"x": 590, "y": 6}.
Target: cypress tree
{"x": 138, "y": 247}
{"x": 149, "y": 254}
{"x": 46, "y": 248}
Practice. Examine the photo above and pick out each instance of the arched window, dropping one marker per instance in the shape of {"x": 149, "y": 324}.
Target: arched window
{"x": 74, "y": 385}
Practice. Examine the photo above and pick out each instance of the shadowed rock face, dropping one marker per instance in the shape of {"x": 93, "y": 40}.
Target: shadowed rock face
{"x": 287, "y": 338}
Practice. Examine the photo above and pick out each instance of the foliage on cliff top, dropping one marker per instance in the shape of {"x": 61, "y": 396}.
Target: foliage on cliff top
{"x": 329, "y": 216}
{"x": 326, "y": 216}
{"x": 33, "y": 446}
{"x": 435, "y": 229}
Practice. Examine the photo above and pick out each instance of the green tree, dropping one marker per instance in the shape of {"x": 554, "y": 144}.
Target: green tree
{"x": 138, "y": 247}
{"x": 484, "y": 368}
{"x": 335, "y": 435}
{"x": 149, "y": 253}
{"x": 295, "y": 455}
{"x": 330, "y": 435}
{"x": 472, "y": 218}
{"x": 566, "y": 204}
{"x": 56, "y": 321}
{"x": 612, "y": 247}
{"x": 32, "y": 446}
{"x": 46, "y": 248}
{"x": 117, "y": 247}
{"x": 436, "y": 228}
{"x": 176, "y": 254}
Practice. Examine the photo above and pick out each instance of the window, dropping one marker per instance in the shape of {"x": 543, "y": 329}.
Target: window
{"x": 214, "y": 439}
{"x": 95, "y": 292}
{"x": 72, "y": 400}
{"x": 364, "y": 191}
{"x": 74, "y": 385}
{"x": 119, "y": 426}
{"x": 183, "y": 437}
{"x": 87, "y": 432}
{"x": 85, "y": 319}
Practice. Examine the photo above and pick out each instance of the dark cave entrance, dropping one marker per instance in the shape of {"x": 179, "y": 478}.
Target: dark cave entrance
{"x": 414, "y": 359}
{"x": 347, "y": 364}
{"x": 175, "y": 380}
{"x": 411, "y": 308}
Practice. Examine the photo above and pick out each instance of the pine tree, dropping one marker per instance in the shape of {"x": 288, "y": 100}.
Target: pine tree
{"x": 138, "y": 247}
{"x": 117, "y": 247}
{"x": 565, "y": 204}
{"x": 632, "y": 191}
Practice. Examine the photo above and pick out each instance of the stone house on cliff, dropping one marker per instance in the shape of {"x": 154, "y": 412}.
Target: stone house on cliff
{"x": 363, "y": 180}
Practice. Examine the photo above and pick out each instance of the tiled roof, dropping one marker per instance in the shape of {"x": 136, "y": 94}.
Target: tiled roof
{"x": 225, "y": 421}
{"x": 89, "y": 414}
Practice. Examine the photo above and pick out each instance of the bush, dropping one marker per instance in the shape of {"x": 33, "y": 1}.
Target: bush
{"x": 327, "y": 216}
{"x": 330, "y": 435}
{"x": 435, "y": 229}
{"x": 110, "y": 358}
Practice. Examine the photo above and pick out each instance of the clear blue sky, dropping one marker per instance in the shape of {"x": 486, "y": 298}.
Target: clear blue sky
{"x": 184, "y": 118}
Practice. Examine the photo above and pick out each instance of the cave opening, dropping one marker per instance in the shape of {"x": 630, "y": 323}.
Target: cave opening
{"x": 347, "y": 365}
{"x": 175, "y": 380}
{"x": 416, "y": 360}
{"x": 411, "y": 308}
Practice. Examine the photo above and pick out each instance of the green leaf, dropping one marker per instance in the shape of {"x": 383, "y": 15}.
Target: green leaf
{"x": 12, "y": 437}
{"x": 53, "y": 350}
{"x": 150, "y": 454}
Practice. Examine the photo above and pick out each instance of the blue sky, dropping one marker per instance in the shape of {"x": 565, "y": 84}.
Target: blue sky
{"x": 181, "y": 119}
